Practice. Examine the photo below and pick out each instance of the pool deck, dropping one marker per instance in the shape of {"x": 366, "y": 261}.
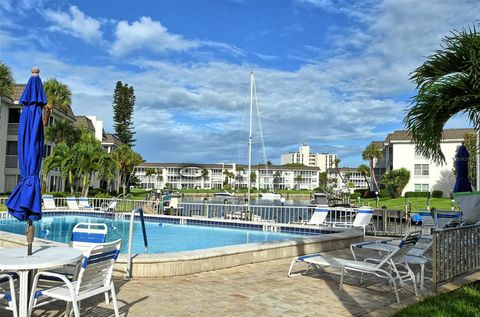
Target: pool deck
{"x": 259, "y": 289}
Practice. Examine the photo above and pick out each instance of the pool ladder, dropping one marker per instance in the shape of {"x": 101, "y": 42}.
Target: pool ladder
{"x": 128, "y": 271}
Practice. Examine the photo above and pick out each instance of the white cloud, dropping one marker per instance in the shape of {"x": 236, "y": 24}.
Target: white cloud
{"x": 75, "y": 23}
{"x": 147, "y": 34}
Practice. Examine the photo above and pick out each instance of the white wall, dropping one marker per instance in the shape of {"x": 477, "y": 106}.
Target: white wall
{"x": 440, "y": 176}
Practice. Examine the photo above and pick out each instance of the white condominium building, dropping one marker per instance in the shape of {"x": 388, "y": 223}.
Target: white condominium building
{"x": 324, "y": 161}
{"x": 210, "y": 176}
{"x": 425, "y": 175}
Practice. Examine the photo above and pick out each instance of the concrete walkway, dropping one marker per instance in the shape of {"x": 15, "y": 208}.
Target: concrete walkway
{"x": 261, "y": 289}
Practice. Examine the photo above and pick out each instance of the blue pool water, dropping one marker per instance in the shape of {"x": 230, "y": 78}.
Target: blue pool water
{"x": 162, "y": 237}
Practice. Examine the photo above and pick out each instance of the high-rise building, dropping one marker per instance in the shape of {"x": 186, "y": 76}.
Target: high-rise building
{"x": 324, "y": 161}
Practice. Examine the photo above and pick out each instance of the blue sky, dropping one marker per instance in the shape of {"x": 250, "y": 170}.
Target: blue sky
{"x": 333, "y": 74}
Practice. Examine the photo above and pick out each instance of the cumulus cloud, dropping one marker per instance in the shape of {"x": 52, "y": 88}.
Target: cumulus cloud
{"x": 75, "y": 23}
{"x": 147, "y": 34}
{"x": 197, "y": 111}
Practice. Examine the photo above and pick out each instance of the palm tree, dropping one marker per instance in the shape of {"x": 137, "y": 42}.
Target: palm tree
{"x": 364, "y": 170}
{"x": 448, "y": 83}
{"x": 54, "y": 160}
{"x": 126, "y": 160}
{"x": 6, "y": 80}
{"x": 149, "y": 172}
{"x": 276, "y": 179}
{"x": 58, "y": 95}
{"x": 63, "y": 131}
{"x": 372, "y": 153}
{"x": 337, "y": 168}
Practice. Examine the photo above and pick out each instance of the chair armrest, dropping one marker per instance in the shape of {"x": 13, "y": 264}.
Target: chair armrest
{"x": 54, "y": 275}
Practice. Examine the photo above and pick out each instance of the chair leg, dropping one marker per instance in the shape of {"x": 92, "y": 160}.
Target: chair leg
{"x": 13, "y": 302}
{"x": 107, "y": 298}
{"x": 392, "y": 280}
{"x": 68, "y": 309}
{"x": 412, "y": 277}
{"x": 114, "y": 300}
{"x": 422, "y": 275}
{"x": 341, "y": 278}
{"x": 76, "y": 310}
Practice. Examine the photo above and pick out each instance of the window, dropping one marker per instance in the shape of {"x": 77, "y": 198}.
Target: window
{"x": 421, "y": 170}
{"x": 12, "y": 148}
{"x": 421, "y": 188}
{"x": 14, "y": 115}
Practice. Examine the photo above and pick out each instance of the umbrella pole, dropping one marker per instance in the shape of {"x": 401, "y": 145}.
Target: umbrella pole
{"x": 30, "y": 235}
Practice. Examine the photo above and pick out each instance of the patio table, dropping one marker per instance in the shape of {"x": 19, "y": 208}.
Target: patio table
{"x": 16, "y": 259}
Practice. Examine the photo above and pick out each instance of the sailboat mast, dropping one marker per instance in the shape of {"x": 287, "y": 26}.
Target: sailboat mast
{"x": 252, "y": 83}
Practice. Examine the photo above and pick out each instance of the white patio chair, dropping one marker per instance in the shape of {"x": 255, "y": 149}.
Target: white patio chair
{"x": 72, "y": 203}
{"x": 84, "y": 204}
{"x": 362, "y": 220}
{"x": 388, "y": 267}
{"x": 49, "y": 202}
{"x": 319, "y": 216}
{"x": 95, "y": 277}
{"x": 84, "y": 237}
{"x": 88, "y": 235}
{"x": 7, "y": 293}
{"x": 109, "y": 206}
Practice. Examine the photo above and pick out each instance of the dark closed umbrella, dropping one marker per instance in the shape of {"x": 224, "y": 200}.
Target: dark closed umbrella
{"x": 25, "y": 201}
{"x": 462, "y": 183}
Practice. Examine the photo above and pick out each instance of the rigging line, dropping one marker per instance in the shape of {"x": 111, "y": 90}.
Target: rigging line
{"x": 262, "y": 141}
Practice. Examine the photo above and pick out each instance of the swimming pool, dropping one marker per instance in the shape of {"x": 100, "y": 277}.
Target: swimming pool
{"x": 187, "y": 245}
{"x": 162, "y": 237}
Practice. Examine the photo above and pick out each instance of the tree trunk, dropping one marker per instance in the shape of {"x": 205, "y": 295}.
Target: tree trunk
{"x": 366, "y": 180}
{"x": 70, "y": 179}
{"x": 44, "y": 183}
{"x": 372, "y": 173}
{"x": 89, "y": 180}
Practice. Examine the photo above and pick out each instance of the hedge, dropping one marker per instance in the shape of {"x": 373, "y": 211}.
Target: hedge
{"x": 437, "y": 194}
{"x": 416, "y": 194}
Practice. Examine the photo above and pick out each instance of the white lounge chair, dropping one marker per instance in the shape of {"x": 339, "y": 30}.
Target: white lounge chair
{"x": 48, "y": 202}
{"x": 388, "y": 267}
{"x": 362, "y": 220}
{"x": 417, "y": 255}
{"x": 110, "y": 206}
{"x": 446, "y": 219}
{"x": 95, "y": 277}
{"x": 72, "y": 203}
{"x": 7, "y": 293}
{"x": 319, "y": 216}
{"x": 84, "y": 204}
{"x": 428, "y": 222}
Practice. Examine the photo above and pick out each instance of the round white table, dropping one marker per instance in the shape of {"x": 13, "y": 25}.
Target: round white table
{"x": 16, "y": 259}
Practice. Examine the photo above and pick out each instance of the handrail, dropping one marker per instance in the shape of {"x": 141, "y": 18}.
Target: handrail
{"x": 128, "y": 271}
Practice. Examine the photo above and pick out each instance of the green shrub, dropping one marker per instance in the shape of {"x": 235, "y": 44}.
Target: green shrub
{"x": 102, "y": 195}
{"x": 59, "y": 194}
{"x": 416, "y": 194}
{"x": 437, "y": 194}
{"x": 384, "y": 193}
{"x": 354, "y": 196}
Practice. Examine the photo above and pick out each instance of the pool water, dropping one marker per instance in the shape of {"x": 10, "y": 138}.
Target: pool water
{"x": 162, "y": 237}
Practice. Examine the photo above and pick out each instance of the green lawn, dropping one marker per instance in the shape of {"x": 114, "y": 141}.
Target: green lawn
{"x": 463, "y": 302}
{"x": 418, "y": 203}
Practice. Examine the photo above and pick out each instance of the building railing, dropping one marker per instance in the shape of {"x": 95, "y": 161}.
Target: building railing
{"x": 455, "y": 252}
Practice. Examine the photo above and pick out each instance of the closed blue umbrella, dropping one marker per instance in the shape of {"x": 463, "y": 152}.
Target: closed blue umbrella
{"x": 25, "y": 201}
{"x": 462, "y": 183}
